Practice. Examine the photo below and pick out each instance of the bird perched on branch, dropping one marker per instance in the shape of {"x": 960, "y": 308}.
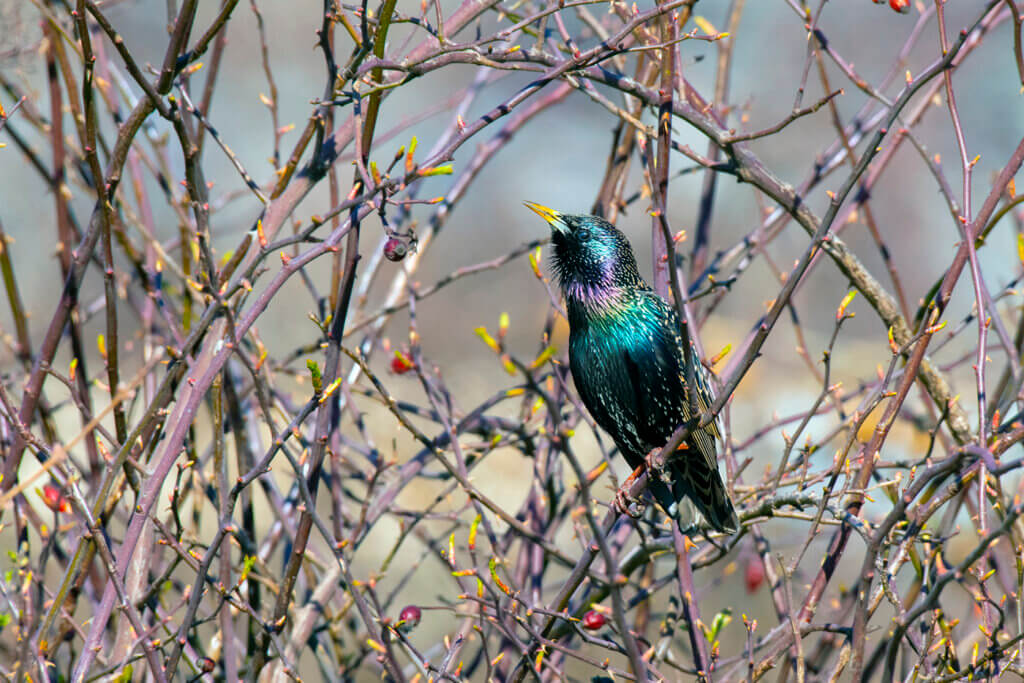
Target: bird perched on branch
{"x": 627, "y": 359}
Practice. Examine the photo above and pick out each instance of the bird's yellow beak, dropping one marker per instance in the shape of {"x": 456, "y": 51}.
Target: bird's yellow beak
{"x": 553, "y": 217}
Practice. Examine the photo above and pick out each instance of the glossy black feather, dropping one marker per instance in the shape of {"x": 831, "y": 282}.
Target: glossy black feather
{"x": 627, "y": 361}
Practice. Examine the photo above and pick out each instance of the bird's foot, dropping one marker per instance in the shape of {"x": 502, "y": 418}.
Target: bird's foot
{"x": 625, "y": 503}
{"x": 651, "y": 459}
{"x": 655, "y": 467}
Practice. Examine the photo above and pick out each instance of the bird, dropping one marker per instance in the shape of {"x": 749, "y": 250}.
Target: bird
{"x": 627, "y": 361}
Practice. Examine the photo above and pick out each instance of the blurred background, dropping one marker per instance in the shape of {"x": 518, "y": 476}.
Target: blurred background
{"x": 558, "y": 159}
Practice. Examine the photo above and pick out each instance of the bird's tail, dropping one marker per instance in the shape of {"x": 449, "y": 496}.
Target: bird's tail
{"x": 698, "y": 497}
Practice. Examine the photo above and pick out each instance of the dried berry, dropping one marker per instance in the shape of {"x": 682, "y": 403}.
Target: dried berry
{"x": 206, "y": 665}
{"x": 753, "y": 575}
{"x": 592, "y": 620}
{"x": 401, "y": 363}
{"x": 409, "y": 617}
{"x": 395, "y": 249}
{"x": 54, "y": 499}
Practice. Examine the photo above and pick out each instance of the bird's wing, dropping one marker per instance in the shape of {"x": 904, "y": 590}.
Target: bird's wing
{"x": 658, "y": 381}
{"x": 657, "y": 367}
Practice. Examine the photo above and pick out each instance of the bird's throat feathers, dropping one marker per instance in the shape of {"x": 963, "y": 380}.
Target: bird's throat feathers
{"x": 594, "y": 298}
{"x": 604, "y": 289}
{"x": 596, "y": 268}
{"x": 593, "y": 289}
{"x": 589, "y": 304}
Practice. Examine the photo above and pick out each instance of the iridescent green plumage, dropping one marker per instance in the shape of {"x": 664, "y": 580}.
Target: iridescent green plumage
{"x": 626, "y": 357}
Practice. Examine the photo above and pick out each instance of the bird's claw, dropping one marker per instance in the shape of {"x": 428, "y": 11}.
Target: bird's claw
{"x": 651, "y": 459}
{"x": 655, "y": 467}
{"x": 627, "y": 505}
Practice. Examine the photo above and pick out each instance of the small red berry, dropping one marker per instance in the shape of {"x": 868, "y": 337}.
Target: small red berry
{"x": 401, "y": 363}
{"x": 206, "y": 665}
{"x": 901, "y": 6}
{"x": 592, "y": 620}
{"x": 395, "y": 249}
{"x": 54, "y": 499}
{"x": 409, "y": 617}
{"x": 753, "y": 576}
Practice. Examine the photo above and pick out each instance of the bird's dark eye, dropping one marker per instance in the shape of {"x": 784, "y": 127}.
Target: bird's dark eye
{"x": 583, "y": 234}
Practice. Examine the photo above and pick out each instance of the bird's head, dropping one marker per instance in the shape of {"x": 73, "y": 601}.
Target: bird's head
{"x": 591, "y": 254}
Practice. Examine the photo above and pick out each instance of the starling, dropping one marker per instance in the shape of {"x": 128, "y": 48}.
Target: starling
{"x": 626, "y": 357}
